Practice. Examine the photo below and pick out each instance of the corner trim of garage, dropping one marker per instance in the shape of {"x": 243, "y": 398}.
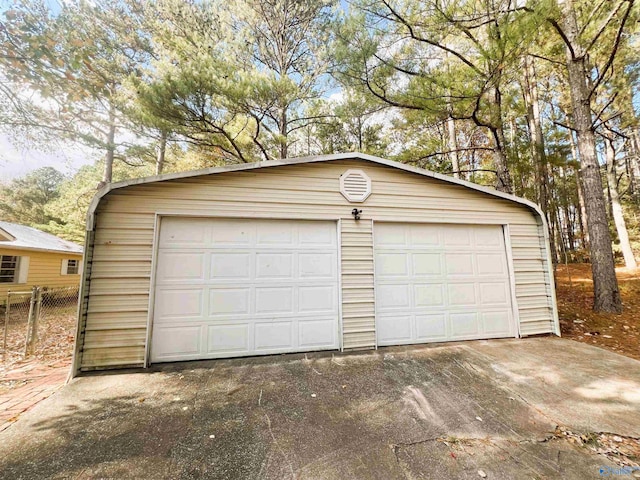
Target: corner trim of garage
{"x": 157, "y": 225}
{"x": 512, "y": 278}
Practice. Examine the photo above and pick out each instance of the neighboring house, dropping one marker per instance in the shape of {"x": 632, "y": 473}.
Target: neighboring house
{"x": 335, "y": 252}
{"x": 30, "y": 257}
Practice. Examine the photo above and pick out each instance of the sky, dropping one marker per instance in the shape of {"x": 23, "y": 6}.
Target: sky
{"x": 16, "y": 161}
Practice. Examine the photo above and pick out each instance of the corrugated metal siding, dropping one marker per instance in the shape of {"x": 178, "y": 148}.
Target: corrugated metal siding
{"x": 533, "y": 292}
{"x": 44, "y": 270}
{"x": 358, "y": 303}
{"x": 125, "y": 228}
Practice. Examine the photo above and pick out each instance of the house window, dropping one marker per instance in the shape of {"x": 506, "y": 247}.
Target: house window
{"x": 9, "y": 265}
{"x": 72, "y": 267}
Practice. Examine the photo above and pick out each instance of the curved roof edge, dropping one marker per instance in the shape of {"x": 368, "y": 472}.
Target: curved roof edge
{"x": 302, "y": 160}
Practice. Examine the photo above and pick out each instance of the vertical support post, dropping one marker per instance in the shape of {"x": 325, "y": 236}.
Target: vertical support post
{"x": 32, "y": 305}
{"x": 6, "y": 325}
{"x": 36, "y": 320}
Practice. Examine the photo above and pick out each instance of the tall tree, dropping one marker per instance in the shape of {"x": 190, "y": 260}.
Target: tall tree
{"x": 450, "y": 58}
{"x": 75, "y": 61}
{"x": 24, "y": 200}
{"x": 616, "y": 206}
{"x": 582, "y": 90}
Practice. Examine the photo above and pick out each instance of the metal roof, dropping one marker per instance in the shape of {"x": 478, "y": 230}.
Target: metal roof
{"x": 30, "y": 238}
{"x": 302, "y": 160}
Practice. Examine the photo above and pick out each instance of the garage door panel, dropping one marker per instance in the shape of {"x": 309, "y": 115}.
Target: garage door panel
{"x": 316, "y": 333}
{"x": 191, "y": 233}
{"x": 316, "y": 266}
{"x": 181, "y": 267}
{"x": 265, "y": 286}
{"x": 459, "y": 264}
{"x": 274, "y": 300}
{"x": 225, "y": 301}
{"x": 177, "y": 342}
{"x": 394, "y": 330}
{"x": 488, "y": 237}
{"x": 491, "y": 264}
{"x": 393, "y": 296}
{"x": 431, "y": 328}
{"x": 275, "y": 234}
{"x": 310, "y": 235}
{"x": 456, "y": 236}
{"x": 317, "y": 299}
{"x": 273, "y": 335}
{"x": 274, "y": 266}
{"x": 230, "y": 232}
{"x": 426, "y": 264}
{"x": 457, "y": 286}
{"x": 494, "y": 293}
{"x": 228, "y": 338}
{"x": 496, "y": 322}
{"x": 230, "y": 266}
{"x": 180, "y": 303}
{"x": 386, "y": 236}
{"x": 392, "y": 265}
{"x": 424, "y": 235}
{"x": 462, "y": 294}
{"x": 429, "y": 295}
{"x": 464, "y": 324}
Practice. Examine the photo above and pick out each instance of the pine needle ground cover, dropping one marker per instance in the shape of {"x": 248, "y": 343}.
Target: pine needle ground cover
{"x": 617, "y": 332}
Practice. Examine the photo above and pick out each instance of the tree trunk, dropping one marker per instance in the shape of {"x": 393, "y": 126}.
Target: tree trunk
{"x": 453, "y": 146}
{"x": 616, "y": 207}
{"x": 161, "y": 151}
{"x": 605, "y": 283}
{"x": 535, "y": 129}
{"x": 503, "y": 176}
{"x": 584, "y": 230}
{"x": 634, "y": 165}
{"x": 582, "y": 213}
{"x": 107, "y": 177}
{"x": 284, "y": 124}
{"x": 503, "y": 180}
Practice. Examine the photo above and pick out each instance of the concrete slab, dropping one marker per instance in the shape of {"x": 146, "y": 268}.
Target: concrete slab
{"x": 434, "y": 411}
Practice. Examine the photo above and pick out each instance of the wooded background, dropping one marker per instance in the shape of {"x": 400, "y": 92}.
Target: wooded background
{"x": 536, "y": 98}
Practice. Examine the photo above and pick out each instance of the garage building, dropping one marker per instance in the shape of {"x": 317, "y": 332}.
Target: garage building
{"x": 337, "y": 252}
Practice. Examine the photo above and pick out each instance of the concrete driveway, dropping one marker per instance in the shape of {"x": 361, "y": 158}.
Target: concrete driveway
{"x": 440, "y": 411}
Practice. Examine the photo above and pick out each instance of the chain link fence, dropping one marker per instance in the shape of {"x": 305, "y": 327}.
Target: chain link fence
{"x": 39, "y": 322}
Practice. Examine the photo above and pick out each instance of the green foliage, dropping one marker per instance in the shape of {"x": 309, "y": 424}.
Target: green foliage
{"x": 24, "y": 200}
{"x": 219, "y": 82}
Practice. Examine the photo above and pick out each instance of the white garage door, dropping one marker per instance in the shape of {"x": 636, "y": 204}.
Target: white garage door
{"x": 439, "y": 283}
{"x": 235, "y": 287}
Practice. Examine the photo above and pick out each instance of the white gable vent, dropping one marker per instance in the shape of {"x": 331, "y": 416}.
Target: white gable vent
{"x": 355, "y": 185}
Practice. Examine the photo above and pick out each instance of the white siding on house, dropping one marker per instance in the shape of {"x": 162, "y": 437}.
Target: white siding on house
{"x": 115, "y": 322}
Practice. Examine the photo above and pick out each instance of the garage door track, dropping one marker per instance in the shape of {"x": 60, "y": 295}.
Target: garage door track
{"x": 535, "y": 408}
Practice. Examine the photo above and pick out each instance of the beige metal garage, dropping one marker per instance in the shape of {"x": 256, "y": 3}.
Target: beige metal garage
{"x": 334, "y": 252}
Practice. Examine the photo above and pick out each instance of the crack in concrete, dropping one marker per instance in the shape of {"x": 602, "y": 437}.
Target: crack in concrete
{"x": 275, "y": 441}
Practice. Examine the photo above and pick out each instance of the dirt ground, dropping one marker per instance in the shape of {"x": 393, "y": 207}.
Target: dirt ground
{"x": 619, "y": 333}
{"x": 56, "y": 331}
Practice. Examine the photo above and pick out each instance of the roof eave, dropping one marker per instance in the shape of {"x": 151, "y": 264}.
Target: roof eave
{"x": 36, "y": 249}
